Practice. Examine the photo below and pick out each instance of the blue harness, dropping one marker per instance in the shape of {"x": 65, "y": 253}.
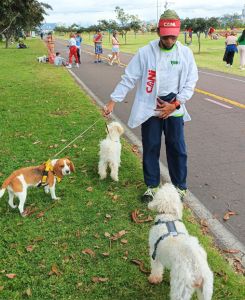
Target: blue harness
{"x": 171, "y": 231}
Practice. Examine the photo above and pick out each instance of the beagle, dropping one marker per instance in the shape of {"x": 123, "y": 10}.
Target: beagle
{"x": 46, "y": 174}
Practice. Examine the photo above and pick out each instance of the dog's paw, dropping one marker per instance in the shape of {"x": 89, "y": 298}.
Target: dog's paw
{"x": 24, "y": 214}
{"x": 154, "y": 279}
{"x": 46, "y": 190}
{"x": 56, "y": 198}
{"x": 12, "y": 206}
{"x": 102, "y": 177}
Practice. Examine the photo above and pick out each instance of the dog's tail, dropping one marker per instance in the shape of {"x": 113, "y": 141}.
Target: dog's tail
{"x": 2, "y": 192}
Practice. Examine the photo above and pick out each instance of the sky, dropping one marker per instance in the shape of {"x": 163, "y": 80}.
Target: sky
{"x": 88, "y": 12}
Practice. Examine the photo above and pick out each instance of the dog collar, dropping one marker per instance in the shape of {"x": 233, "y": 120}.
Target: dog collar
{"x": 171, "y": 231}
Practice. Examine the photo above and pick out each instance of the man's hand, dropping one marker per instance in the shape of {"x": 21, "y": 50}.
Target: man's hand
{"x": 108, "y": 108}
{"x": 164, "y": 109}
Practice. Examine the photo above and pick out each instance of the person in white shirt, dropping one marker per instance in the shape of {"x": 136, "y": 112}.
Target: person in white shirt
{"x": 73, "y": 51}
{"x": 166, "y": 74}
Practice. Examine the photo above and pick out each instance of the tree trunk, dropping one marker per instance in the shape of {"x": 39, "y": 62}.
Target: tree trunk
{"x": 199, "y": 42}
{"x": 125, "y": 38}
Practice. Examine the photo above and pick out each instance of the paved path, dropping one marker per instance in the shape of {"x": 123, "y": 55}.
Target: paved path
{"x": 215, "y": 137}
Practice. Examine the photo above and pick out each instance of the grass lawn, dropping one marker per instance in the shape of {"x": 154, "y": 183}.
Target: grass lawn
{"x": 41, "y": 110}
{"x": 211, "y": 55}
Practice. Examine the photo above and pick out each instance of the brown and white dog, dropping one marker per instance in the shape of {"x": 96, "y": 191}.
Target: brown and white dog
{"x": 20, "y": 180}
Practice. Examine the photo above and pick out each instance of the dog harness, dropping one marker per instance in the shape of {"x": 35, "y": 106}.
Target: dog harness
{"x": 48, "y": 168}
{"x": 171, "y": 232}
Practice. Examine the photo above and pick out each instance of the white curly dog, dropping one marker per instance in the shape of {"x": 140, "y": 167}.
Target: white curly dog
{"x": 173, "y": 248}
{"x": 110, "y": 151}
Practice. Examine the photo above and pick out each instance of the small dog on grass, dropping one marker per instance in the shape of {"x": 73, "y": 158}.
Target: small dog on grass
{"x": 42, "y": 59}
{"x": 110, "y": 151}
{"x": 172, "y": 247}
{"x": 46, "y": 175}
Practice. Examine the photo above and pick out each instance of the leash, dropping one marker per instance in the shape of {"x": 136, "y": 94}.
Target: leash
{"x": 79, "y": 136}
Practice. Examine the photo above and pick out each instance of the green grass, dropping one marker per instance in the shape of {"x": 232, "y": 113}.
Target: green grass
{"x": 41, "y": 106}
{"x": 211, "y": 55}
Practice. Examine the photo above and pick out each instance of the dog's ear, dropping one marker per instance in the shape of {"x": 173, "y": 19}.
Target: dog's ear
{"x": 72, "y": 167}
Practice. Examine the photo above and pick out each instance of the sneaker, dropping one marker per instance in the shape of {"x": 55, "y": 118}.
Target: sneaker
{"x": 69, "y": 66}
{"x": 95, "y": 61}
{"x": 99, "y": 61}
{"x": 77, "y": 65}
{"x": 182, "y": 193}
{"x": 149, "y": 194}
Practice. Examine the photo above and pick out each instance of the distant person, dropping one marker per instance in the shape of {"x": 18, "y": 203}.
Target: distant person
{"x": 241, "y": 49}
{"x": 58, "y": 60}
{"x": 210, "y": 32}
{"x": 115, "y": 49}
{"x": 73, "y": 51}
{"x": 165, "y": 74}
{"x": 78, "y": 44}
{"x": 50, "y": 43}
{"x": 231, "y": 48}
{"x": 41, "y": 35}
{"x": 97, "y": 46}
{"x": 21, "y": 45}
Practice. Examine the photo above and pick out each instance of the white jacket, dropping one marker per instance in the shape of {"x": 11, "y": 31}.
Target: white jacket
{"x": 144, "y": 68}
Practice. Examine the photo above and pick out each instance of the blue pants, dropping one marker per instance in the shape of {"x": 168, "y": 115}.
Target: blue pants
{"x": 173, "y": 128}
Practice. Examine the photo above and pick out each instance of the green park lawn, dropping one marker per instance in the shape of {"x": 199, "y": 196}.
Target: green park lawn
{"x": 63, "y": 249}
{"x": 211, "y": 55}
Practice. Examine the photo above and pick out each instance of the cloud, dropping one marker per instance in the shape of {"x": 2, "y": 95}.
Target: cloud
{"x": 89, "y": 12}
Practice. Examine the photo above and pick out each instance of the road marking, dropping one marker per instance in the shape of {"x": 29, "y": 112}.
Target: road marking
{"x": 222, "y": 76}
{"x": 218, "y": 103}
{"x": 221, "y": 98}
{"x": 235, "y": 103}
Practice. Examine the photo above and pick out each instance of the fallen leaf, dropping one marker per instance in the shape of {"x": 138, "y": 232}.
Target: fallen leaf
{"x": 29, "y": 211}
{"x": 79, "y": 284}
{"x": 40, "y": 215}
{"x": 118, "y": 235}
{"x": 89, "y": 189}
{"x": 123, "y": 241}
{"x": 54, "y": 270}
{"x": 37, "y": 142}
{"x": 30, "y": 248}
{"x": 135, "y": 149}
{"x": 228, "y": 214}
{"x": 107, "y": 234}
{"x": 108, "y": 216}
{"x": 99, "y": 279}
{"x": 88, "y": 251}
{"x": 105, "y": 253}
{"x": 135, "y": 217}
{"x": 115, "y": 197}
{"x": 1, "y": 174}
{"x": 11, "y": 276}
{"x": 28, "y": 292}
{"x": 1, "y": 287}
{"x": 38, "y": 239}
{"x": 78, "y": 233}
{"x": 223, "y": 275}
{"x": 141, "y": 265}
{"x": 233, "y": 251}
{"x": 96, "y": 235}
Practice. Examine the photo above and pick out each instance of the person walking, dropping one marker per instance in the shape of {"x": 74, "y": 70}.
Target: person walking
{"x": 231, "y": 48}
{"x": 166, "y": 74}
{"x": 241, "y": 49}
{"x": 50, "y": 44}
{"x": 73, "y": 51}
{"x": 78, "y": 44}
{"x": 115, "y": 48}
{"x": 97, "y": 46}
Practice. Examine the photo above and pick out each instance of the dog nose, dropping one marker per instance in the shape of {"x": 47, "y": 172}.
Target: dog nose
{"x": 67, "y": 172}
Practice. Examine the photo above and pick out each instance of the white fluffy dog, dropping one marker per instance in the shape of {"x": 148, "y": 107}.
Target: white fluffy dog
{"x": 110, "y": 151}
{"x": 42, "y": 59}
{"x": 172, "y": 247}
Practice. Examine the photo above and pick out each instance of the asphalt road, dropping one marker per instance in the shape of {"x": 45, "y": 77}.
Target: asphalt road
{"x": 215, "y": 137}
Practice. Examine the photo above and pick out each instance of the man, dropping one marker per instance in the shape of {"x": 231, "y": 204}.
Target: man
{"x": 167, "y": 74}
{"x": 78, "y": 44}
{"x": 97, "y": 46}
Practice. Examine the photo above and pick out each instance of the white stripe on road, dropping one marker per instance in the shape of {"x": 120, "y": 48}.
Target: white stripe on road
{"x": 218, "y": 103}
{"x": 222, "y": 76}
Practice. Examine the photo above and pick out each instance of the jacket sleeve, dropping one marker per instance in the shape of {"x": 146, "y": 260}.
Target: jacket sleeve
{"x": 192, "y": 76}
{"x": 133, "y": 72}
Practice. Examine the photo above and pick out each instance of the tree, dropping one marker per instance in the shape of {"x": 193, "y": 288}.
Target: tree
{"x": 124, "y": 20}
{"x": 135, "y": 24}
{"x": 199, "y": 25}
{"x": 19, "y": 15}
